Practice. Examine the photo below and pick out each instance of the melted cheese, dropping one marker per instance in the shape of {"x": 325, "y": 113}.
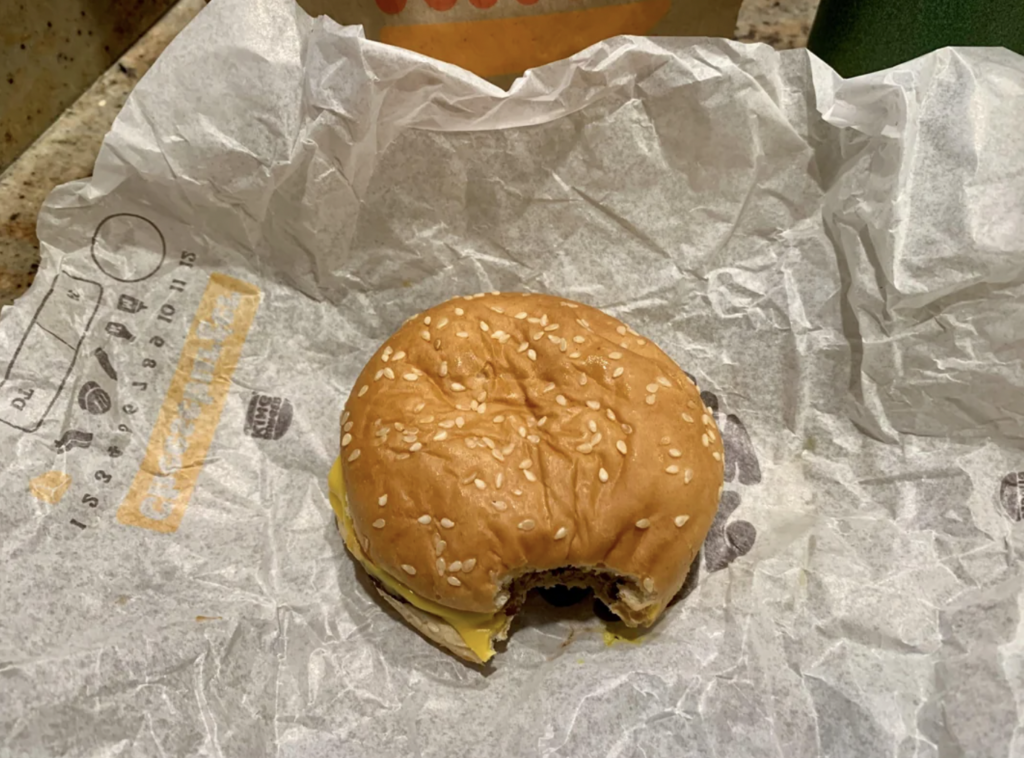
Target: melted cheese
{"x": 476, "y": 629}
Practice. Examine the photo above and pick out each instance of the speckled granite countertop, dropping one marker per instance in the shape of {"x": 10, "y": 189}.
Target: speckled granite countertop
{"x": 67, "y": 150}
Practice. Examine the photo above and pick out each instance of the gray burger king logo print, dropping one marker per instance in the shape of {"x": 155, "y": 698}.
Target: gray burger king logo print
{"x": 267, "y": 417}
{"x": 731, "y": 538}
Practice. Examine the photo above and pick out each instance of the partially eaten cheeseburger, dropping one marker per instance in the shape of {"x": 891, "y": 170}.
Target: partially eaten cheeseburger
{"x": 502, "y": 442}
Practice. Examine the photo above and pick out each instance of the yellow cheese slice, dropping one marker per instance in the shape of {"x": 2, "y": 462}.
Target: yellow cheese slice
{"x": 476, "y": 629}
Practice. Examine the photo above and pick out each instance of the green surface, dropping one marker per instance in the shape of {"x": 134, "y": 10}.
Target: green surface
{"x": 859, "y": 36}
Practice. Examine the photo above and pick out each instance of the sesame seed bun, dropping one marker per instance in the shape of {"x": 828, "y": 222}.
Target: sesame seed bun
{"x": 501, "y": 442}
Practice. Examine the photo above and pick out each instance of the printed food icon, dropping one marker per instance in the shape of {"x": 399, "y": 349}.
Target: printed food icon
{"x": 93, "y": 398}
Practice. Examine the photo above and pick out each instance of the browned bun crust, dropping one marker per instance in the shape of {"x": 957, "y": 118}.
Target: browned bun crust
{"x": 514, "y": 434}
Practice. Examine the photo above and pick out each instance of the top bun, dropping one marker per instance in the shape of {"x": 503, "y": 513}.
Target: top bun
{"x": 504, "y": 438}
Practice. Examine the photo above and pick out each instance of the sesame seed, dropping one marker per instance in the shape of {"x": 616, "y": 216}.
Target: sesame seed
{"x": 523, "y": 346}
{"x": 499, "y": 479}
{"x": 652, "y": 388}
{"x": 560, "y": 399}
{"x": 554, "y": 339}
{"x": 621, "y": 330}
{"x": 583, "y": 380}
{"x": 498, "y": 455}
{"x": 507, "y": 450}
{"x": 621, "y": 447}
{"x": 460, "y": 422}
{"x": 521, "y": 315}
{"x": 446, "y": 424}
{"x": 378, "y": 375}
{"x": 560, "y": 534}
{"x": 402, "y": 457}
{"x": 459, "y": 312}
{"x": 627, "y": 428}
{"x": 410, "y": 570}
{"x": 649, "y": 584}
{"x": 530, "y": 476}
{"x": 711, "y": 434}
{"x": 398, "y": 356}
{"x": 688, "y": 418}
{"x": 688, "y": 476}
{"x": 489, "y": 442}
{"x": 650, "y": 399}
{"x": 442, "y": 323}
{"x": 415, "y": 447}
{"x": 443, "y": 371}
{"x": 497, "y": 309}
{"x": 704, "y": 419}
{"x": 499, "y": 505}
{"x": 673, "y": 469}
{"x": 480, "y": 484}
{"x": 409, "y": 438}
{"x": 704, "y": 440}
{"x": 447, "y": 523}
{"x": 389, "y": 373}
{"x": 455, "y": 566}
{"x": 615, "y": 356}
{"x": 525, "y": 464}
{"x": 345, "y": 416}
{"x": 550, "y": 327}
{"x": 533, "y": 320}
{"x": 527, "y": 525}
{"x": 610, "y": 414}
{"x": 586, "y": 448}
{"x": 663, "y": 382}
{"x": 716, "y": 455}
{"x": 641, "y": 342}
{"x": 363, "y": 390}
{"x": 500, "y": 599}
{"x": 457, "y": 387}
{"x": 522, "y": 432}
{"x": 345, "y": 440}
{"x": 574, "y": 355}
{"x": 531, "y": 354}
{"x": 353, "y": 455}
{"x": 484, "y": 327}
{"x": 579, "y": 340}
{"x": 439, "y": 547}
{"x": 548, "y": 387}
{"x": 596, "y": 439}
{"x": 440, "y": 566}
{"x": 425, "y": 334}
{"x": 602, "y": 475}
{"x": 517, "y": 493}
{"x": 543, "y": 420}
{"x": 347, "y": 427}
{"x": 440, "y": 436}
{"x": 468, "y": 565}
{"x": 594, "y": 405}
{"x": 690, "y": 404}
{"x": 680, "y": 520}
{"x": 410, "y": 377}
{"x": 634, "y": 333}
{"x": 424, "y": 519}
{"x": 482, "y": 408}
{"x": 675, "y": 453}
{"x": 378, "y": 524}
{"x": 592, "y": 425}
{"x": 543, "y": 319}
{"x": 462, "y": 335}
{"x": 618, "y": 372}
{"x": 583, "y": 322}
{"x": 643, "y": 523}
{"x": 533, "y": 438}
{"x": 382, "y": 500}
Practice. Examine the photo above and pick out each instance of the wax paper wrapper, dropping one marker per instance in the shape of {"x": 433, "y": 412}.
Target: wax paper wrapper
{"x": 838, "y": 263}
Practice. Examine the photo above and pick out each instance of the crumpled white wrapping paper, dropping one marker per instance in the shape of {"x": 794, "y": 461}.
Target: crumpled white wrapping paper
{"x": 839, "y": 263}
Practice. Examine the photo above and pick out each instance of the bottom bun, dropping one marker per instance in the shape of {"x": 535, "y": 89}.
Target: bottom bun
{"x": 436, "y": 629}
